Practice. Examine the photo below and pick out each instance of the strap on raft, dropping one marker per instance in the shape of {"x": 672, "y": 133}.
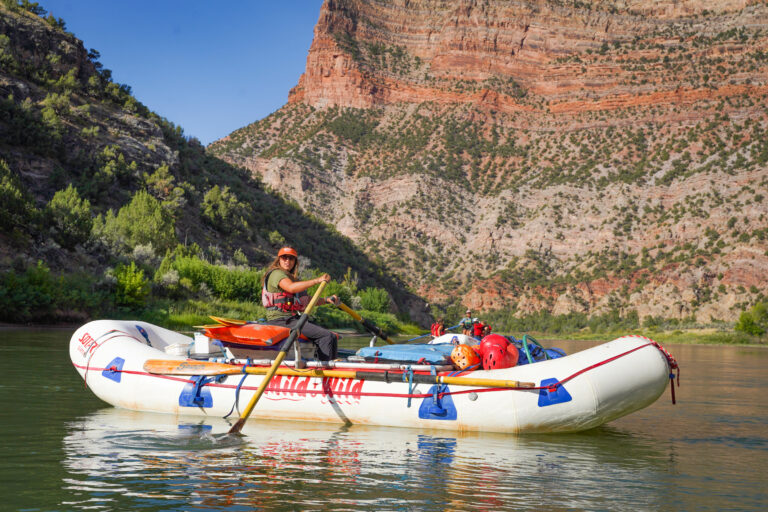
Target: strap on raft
{"x": 552, "y": 387}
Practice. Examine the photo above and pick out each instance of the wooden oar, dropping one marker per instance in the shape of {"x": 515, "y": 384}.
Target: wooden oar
{"x": 237, "y": 427}
{"x": 172, "y": 367}
{"x": 373, "y": 329}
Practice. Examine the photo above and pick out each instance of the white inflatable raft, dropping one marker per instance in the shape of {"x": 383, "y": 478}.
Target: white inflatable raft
{"x": 572, "y": 393}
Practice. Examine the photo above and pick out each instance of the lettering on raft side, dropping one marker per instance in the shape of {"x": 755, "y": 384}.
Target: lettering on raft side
{"x": 87, "y": 344}
{"x": 331, "y": 390}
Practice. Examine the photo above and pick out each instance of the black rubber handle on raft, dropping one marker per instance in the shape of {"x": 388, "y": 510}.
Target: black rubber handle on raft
{"x": 387, "y": 376}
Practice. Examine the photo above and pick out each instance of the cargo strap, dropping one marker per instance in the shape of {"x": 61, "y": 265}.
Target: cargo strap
{"x": 408, "y": 377}
{"x": 552, "y": 386}
{"x": 98, "y": 346}
{"x": 236, "y": 405}
{"x": 673, "y": 366}
{"x": 437, "y": 408}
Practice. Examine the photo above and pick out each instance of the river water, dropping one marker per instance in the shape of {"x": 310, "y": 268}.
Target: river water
{"x": 64, "y": 449}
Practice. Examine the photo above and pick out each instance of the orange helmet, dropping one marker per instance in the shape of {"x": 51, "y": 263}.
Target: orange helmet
{"x": 463, "y": 356}
{"x": 289, "y": 251}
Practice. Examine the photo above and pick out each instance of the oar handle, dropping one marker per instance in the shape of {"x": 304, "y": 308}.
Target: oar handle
{"x": 237, "y": 427}
{"x": 372, "y": 328}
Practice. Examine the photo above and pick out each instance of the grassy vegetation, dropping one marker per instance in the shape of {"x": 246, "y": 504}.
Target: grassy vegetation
{"x": 180, "y": 293}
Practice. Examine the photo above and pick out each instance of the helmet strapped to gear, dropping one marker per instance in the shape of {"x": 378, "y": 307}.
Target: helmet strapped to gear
{"x": 463, "y": 356}
{"x": 497, "y": 352}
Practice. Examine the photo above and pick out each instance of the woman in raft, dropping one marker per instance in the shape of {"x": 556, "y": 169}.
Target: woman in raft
{"x": 285, "y": 297}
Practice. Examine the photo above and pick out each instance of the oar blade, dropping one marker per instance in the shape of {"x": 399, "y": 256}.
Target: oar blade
{"x": 227, "y": 321}
{"x": 189, "y": 367}
{"x": 237, "y": 427}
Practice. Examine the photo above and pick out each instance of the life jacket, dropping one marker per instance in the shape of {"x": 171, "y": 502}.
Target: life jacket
{"x": 282, "y": 300}
{"x": 478, "y": 329}
{"x": 437, "y": 329}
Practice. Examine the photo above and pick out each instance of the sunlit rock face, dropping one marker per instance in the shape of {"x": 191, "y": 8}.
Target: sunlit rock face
{"x": 567, "y": 156}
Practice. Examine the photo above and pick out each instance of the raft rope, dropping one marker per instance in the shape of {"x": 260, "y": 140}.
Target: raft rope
{"x": 408, "y": 377}
{"x": 236, "y": 404}
{"x": 672, "y": 367}
{"x": 99, "y": 345}
{"x": 551, "y": 388}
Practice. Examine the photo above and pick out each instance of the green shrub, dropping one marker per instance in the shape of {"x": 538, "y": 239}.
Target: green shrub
{"x": 27, "y": 296}
{"x": 143, "y": 221}
{"x": 338, "y": 289}
{"x": 225, "y": 283}
{"x": 36, "y": 295}
{"x": 222, "y": 210}
{"x": 755, "y": 321}
{"x": 16, "y": 207}
{"x": 131, "y": 287}
{"x": 375, "y": 299}
{"x": 69, "y": 217}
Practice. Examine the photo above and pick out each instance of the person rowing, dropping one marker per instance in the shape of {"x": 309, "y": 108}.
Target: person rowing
{"x": 285, "y": 297}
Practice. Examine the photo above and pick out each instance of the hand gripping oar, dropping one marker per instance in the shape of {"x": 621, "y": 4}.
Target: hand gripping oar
{"x": 175, "y": 367}
{"x": 373, "y": 329}
{"x": 237, "y": 427}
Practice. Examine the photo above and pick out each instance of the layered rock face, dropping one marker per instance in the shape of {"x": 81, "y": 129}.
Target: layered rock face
{"x": 564, "y": 156}
{"x": 428, "y": 46}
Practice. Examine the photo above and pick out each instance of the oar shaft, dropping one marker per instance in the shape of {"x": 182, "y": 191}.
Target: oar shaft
{"x": 372, "y": 328}
{"x": 436, "y": 379}
{"x": 172, "y": 367}
{"x": 485, "y": 383}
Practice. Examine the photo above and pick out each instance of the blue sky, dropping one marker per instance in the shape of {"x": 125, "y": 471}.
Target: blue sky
{"x": 209, "y": 67}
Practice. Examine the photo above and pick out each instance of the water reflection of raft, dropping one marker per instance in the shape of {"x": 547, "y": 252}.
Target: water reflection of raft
{"x": 572, "y": 393}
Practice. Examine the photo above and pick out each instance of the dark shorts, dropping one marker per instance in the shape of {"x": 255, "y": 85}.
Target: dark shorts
{"x": 326, "y": 342}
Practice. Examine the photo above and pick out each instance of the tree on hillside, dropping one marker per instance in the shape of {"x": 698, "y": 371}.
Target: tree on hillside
{"x": 143, "y": 221}
{"x": 69, "y": 217}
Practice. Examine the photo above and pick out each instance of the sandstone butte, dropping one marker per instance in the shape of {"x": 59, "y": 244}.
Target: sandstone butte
{"x": 537, "y": 155}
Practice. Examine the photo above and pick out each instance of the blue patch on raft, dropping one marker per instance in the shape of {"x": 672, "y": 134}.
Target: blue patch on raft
{"x": 195, "y": 394}
{"x": 113, "y": 369}
{"x": 443, "y": 409}
{"x": 551, "y": 397}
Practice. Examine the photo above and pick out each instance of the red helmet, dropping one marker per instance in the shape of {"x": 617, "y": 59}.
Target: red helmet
{"x": 495, "y": 358}
{"x": 494, "y": 340}
{"x": 497, "y": 352}
{"x": 289, "y": 251}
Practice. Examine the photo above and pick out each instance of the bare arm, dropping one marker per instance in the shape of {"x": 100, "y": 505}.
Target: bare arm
{"x": 301, "y": 286}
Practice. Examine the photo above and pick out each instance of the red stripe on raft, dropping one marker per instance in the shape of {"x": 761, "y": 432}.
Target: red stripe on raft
{"x": 292, "y": 390}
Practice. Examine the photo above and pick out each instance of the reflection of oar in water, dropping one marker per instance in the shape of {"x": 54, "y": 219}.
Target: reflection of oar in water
{"x": 373, "y": 329}
{"x": 430, "y": 334}
{"x": 175, "y": 367}
{"x": 237, "y": 427}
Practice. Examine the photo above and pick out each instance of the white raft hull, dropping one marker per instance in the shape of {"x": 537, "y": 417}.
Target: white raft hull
{"x": 624, "y": 375}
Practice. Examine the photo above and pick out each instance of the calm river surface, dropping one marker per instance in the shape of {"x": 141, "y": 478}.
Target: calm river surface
{"x": 64, "y": 449}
